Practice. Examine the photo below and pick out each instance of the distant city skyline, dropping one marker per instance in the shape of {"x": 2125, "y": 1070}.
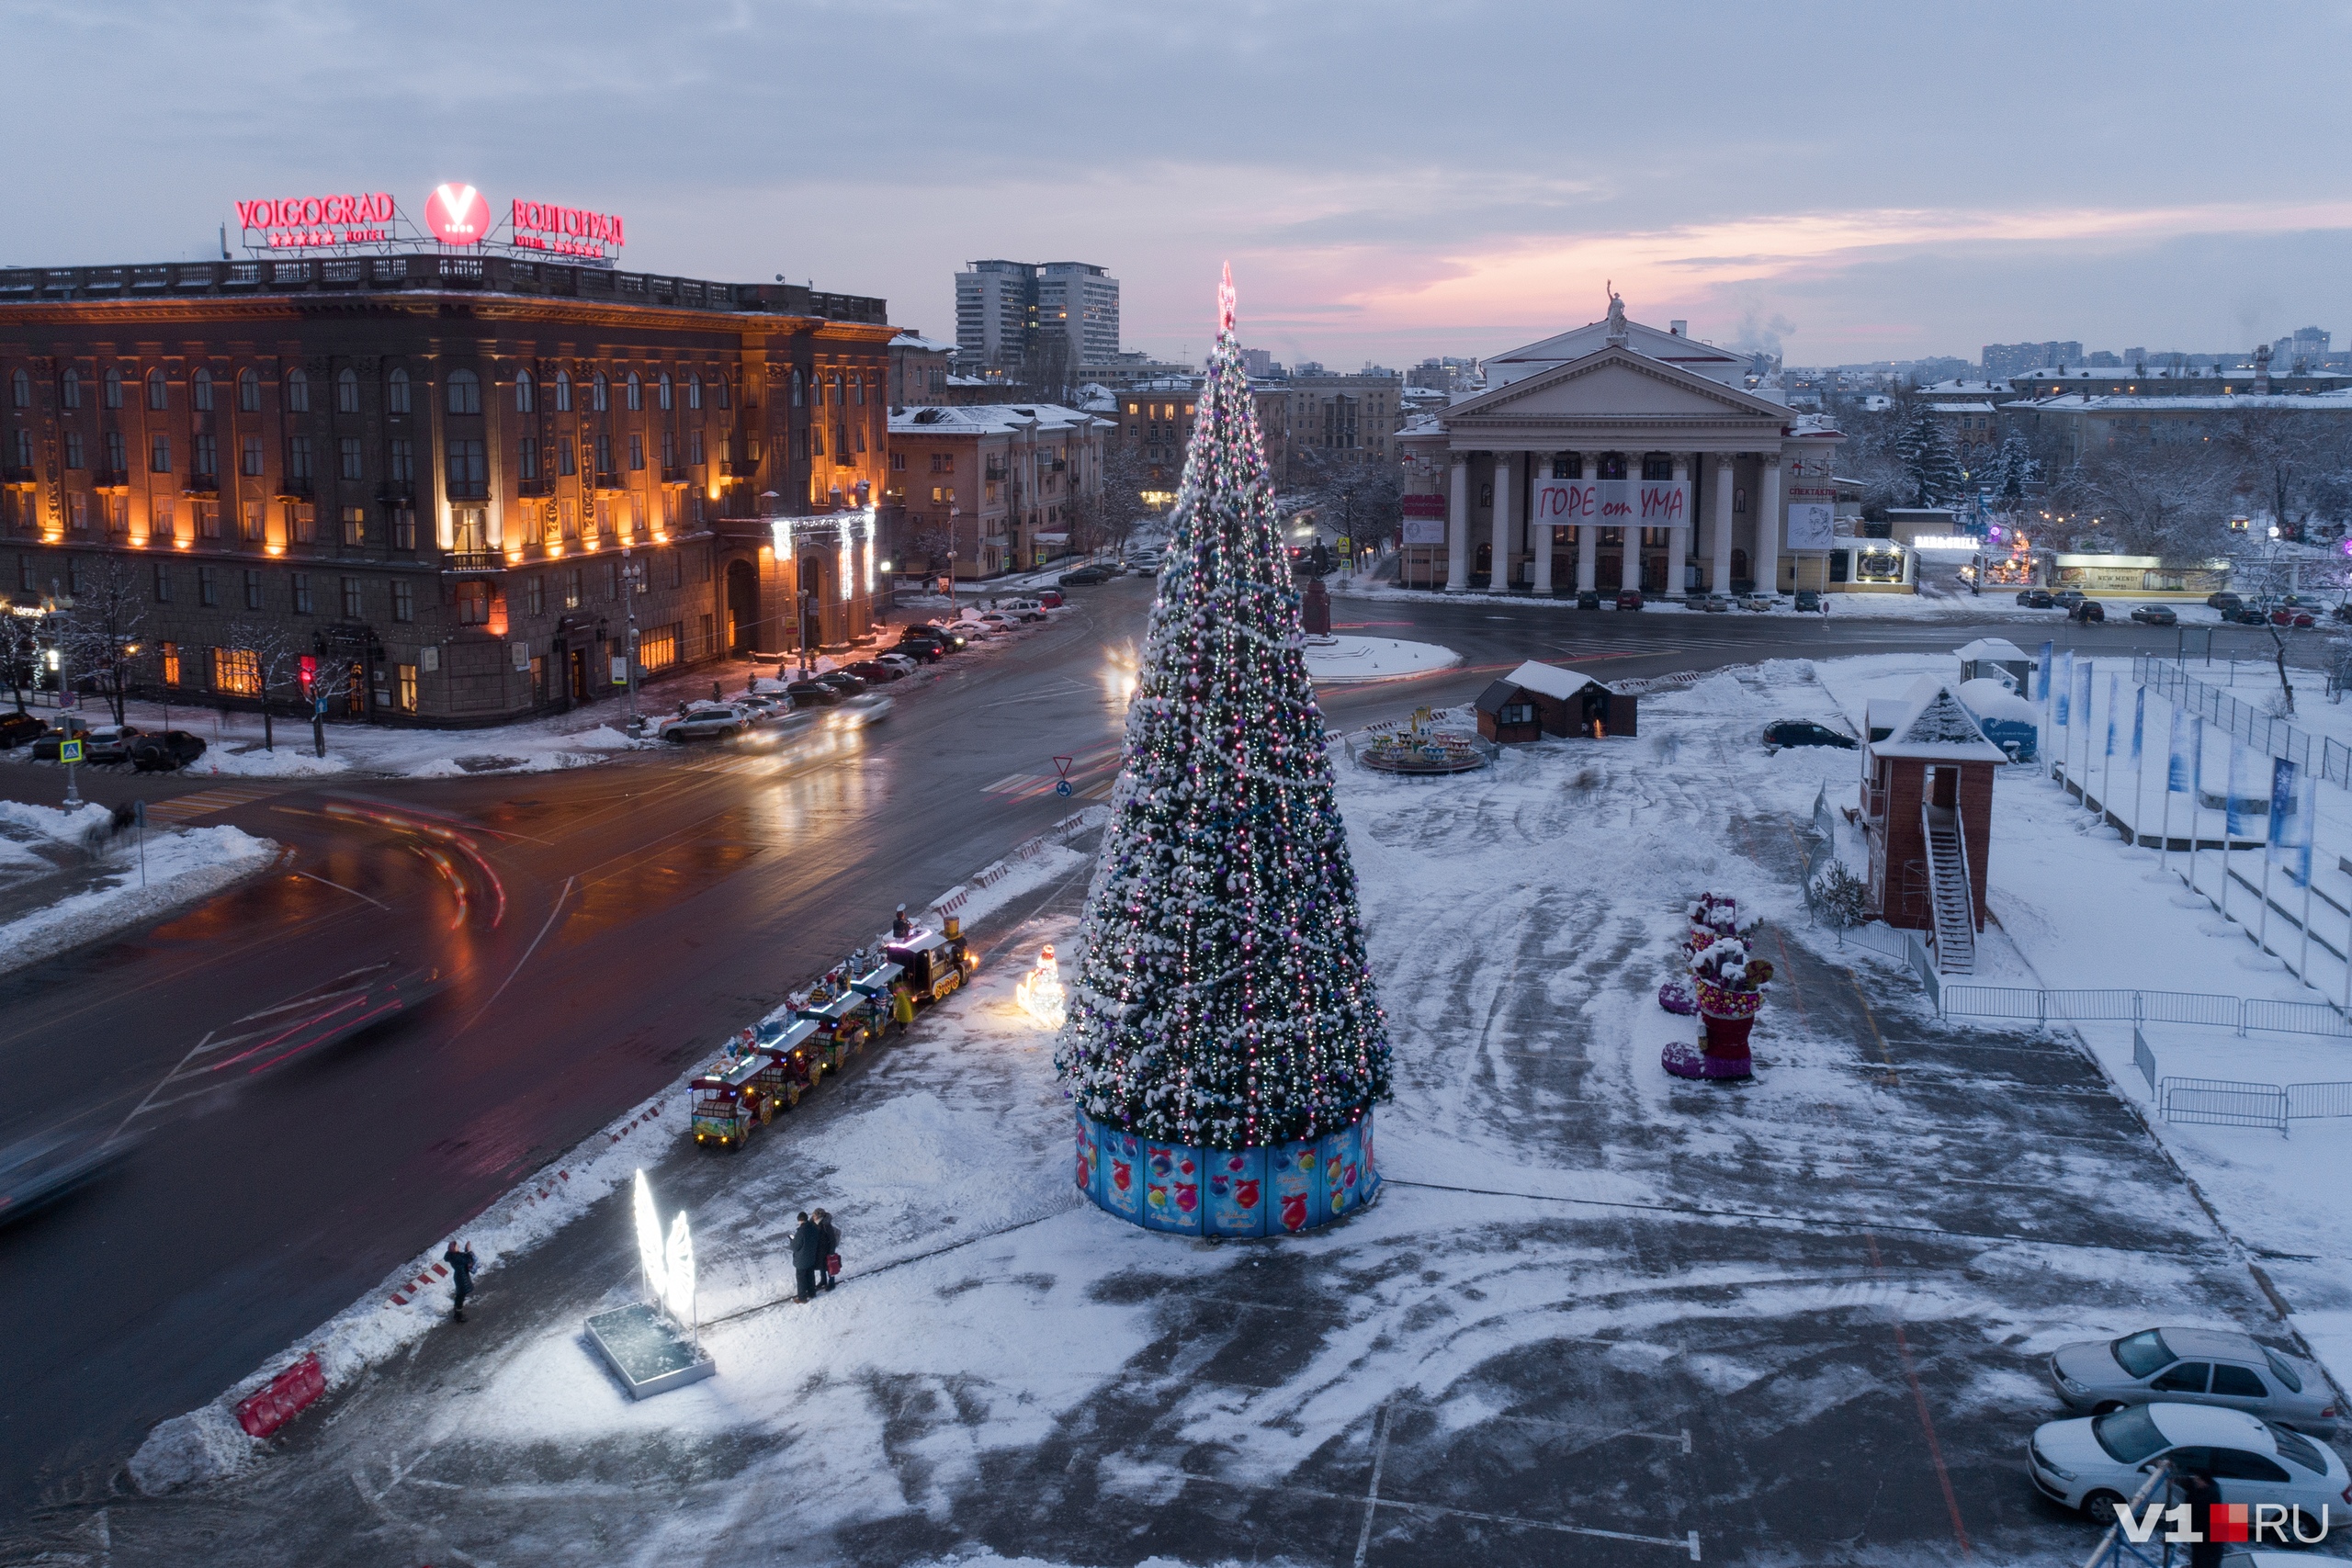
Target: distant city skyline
{"x": 1859, "y": 182}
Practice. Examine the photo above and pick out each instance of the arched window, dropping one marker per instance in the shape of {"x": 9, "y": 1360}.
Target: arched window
{"x": 21, "y": 389}
{"x": 796, "y": 398}
{"x": 69, "y": 389}
{"x": 396, "y": 391}
{"x": 817, "y": 389}
{"x": 526, "y": 397}
{"x": 662, "y": 391}
{"x": 563, "y": 392}
{"x": 635, "y": 391}
{"x": 159, "y": 395}
{"x": 596, "y": 394}
{"x": 857, "y": 389}
{"x": 111, "y": 386}
{"x": 726, "y": 390}
{"x": 298, "y": 392}
{"x": 837, "y": 388}
{"x": 693, "y": 390}
{"x": 347, "y": 390}
{"x": 199, "y": 391}
{"x": 465, "y": 392}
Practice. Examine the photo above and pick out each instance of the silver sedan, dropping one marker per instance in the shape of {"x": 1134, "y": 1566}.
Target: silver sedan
{"x": 2194, "y": 1366}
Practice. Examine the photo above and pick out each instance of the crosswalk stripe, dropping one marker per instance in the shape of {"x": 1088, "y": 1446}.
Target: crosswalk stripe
{"x": 204, "y": 802}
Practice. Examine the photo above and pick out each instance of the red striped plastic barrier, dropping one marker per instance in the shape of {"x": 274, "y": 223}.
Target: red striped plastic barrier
{"x": 290, "y": 1393}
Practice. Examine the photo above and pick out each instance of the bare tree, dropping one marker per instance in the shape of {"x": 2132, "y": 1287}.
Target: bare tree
{"x": 2159, "y": 498}
{"x": 1352, "y": 492}
{"x": 101, "y": 632}
{"x": 276, "y": 664}
{"x": 1106, "y": 519}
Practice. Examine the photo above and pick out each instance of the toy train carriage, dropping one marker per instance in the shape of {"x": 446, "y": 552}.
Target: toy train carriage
{"x": 878, "y": 986}
{"x": 727, "y": 1103}
{"x": 790, "y": 1055}
{"x": 842, "y": 1024}
{"x": 935, "y": 962}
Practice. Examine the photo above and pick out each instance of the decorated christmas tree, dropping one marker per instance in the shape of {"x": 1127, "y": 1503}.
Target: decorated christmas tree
{"x": 1224, "y": 1002}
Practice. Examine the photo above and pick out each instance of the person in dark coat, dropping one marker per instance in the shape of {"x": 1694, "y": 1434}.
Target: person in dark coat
{"x": 2198, "y": 1491}
{"x": 461, "y": 1259}
{"x": 831, "y": 1240}
{"x": 807, "y": 1258}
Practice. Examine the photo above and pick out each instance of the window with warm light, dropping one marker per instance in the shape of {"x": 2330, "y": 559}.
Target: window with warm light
{"x": 251, "y": 523}
{"x": 236, "y": 672}
{"x": 355, "y": 526}
{"x": 404, "y": 687}
{"x": 171, "y": 653}
{"x": 301, "y": 522}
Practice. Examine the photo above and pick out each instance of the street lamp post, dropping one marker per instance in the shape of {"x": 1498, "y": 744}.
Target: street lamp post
{"x": 629, "y": 570}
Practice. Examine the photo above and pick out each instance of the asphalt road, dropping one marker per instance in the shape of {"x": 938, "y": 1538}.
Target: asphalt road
{"x": 649, "y": 907}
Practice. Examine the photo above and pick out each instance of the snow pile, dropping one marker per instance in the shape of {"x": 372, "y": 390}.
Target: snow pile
{"x": 180, "y": 864}
{"x": 1991, "y": 699}
{"x": 203, "y": 1445}
{"x": 1347, "y": 659}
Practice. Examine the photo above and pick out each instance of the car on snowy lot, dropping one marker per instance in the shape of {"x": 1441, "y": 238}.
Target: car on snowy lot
{"x": 1714, "y": 604}
{"x": 1051, "y": 599}
{"x": 950, "y": 634}
{"x": 842, "y": 681}
{"x": 919, "y": 649}
{"x": 814, "y": 694}
{"x": 1758, "y": 602}
{"x": 2247, "y": 616}
{"x": 2088, "y": 611}
{"x": 1085, "y": 577}
{"x": 162, "y": 753}
{"x": 706, "y": 721}
{"x": 109, "y": 743}
{"x": 2194, "y": 1366}
{"x": 2097, "y": 1461}
{"x": 2036, "y": 599}
{"x": 2285, "y": 616}
{"x": 2156, "y": 615}
{"x": 874, "y": 672}
{"x": 1808, "y": 602}
{"x": 2223, "y": 601}
{"x": 1629, "y": 598}
{"x": 16, "y": 728}
{"x": 1803, "y": 732}
{"x": 904, "y": 664}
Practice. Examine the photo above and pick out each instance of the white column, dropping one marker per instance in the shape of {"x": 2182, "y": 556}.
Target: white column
{"x": 1457, "y": 528}
{"x": 1768, "y": 528}
{"x": 1677, "y": 555}
{"x": 1719, "y": 572}
{"x": 1539, "y": 540}
{"x": 1588, "y": 540}
{"x": 1498, "y": 576}
{"x": 1629, "y": 565}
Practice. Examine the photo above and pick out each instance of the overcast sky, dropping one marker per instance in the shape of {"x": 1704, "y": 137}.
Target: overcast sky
{"x": 1389, "y": 181}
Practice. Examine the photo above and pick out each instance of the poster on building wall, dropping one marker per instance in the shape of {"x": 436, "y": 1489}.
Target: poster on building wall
{"x": 1810, "y": 524}
{"x": 1613, "y": 503}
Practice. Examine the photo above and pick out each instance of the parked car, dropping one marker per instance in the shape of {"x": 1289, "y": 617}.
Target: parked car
{"x": 162, "y": 753}
{"x": 2286, "y": 616}
{"x": 1803, "y": 732}
{"x": 1051, "y": 599}
{"x": 1714, "y": 604}
{"x": 842, "y": 681}
{"x": 2248, "y": 617}
{"x": 2193, "y": 1366}
{"x": 904, "y": 664}
{"x": 874, "y": 672}
{"x": 815, "y": 694}
{"x": 2223, "y": 601}
{"x": 1086, "y": 577}
{"x": 16, "y": 728}
{"x": 2094, "y": 1462}
{"x": 2036, "y": 599}
{"x": 67, "y": 726}
{"x": 2156, "y": 615}
{"x": 919, "y": 649}
{"x": 1808, "y": 602}
{"x": 1758, "y": 602}
{"x": 109, "y": 743}
{"x": 1629, "y": 598}
{"x": 1016, "y": 605}
{"x": 955, "y": 634}
{"x": 2088, "y": 611}
{"x": 2067, "y": 598}
{"x": 706, "y": 721}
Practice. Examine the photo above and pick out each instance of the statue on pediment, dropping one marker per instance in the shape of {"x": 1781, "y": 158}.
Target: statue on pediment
{"x": 1616, "y": 312}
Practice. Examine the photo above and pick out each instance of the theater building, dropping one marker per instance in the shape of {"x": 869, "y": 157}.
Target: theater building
{"x": 1618, "y": 456}
{"x": 439, "y": 474}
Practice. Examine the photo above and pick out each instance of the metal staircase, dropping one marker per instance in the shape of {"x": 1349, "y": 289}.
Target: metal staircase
{"x": 1949, "y": 898}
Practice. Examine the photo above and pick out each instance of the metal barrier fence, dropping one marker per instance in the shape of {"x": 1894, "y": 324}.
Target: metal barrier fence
{"x": 2332, "y": 760}
{"x": 2136, "y": 1007}
{"x": 2317, "y": 1101}
{"x": 2218, "y": 1103}
{"x": 2144, "y": 1058}
{"x": 1923, "y": 963}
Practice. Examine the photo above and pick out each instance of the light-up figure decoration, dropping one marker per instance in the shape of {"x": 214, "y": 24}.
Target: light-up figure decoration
{"x": 669, "y": 1267}
{"x": 849, "y": 560}
{"x": 870, "y": 532}
{"x": 1040, "y": 991}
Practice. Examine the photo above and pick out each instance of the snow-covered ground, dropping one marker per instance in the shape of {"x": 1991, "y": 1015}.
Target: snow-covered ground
{"x": 55, "y": 893}
{"x": 1345, "y": 659}
{"x": 1599, "y": 1314}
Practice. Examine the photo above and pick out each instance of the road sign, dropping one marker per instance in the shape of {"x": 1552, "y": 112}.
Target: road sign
{"x": 69, "y": 750}
{"x": 1061, "y": 765}
{"x": 1062, "y": 788}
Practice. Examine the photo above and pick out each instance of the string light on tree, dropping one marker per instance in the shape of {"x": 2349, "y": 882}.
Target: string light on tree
{"x": 1224, "y": 1004}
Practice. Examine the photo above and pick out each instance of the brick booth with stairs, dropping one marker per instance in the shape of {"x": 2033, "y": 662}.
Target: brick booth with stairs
{"x": 1928, "y": 812}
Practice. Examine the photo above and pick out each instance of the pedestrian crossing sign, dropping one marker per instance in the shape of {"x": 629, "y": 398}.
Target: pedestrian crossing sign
{"x": 69, "y": 750}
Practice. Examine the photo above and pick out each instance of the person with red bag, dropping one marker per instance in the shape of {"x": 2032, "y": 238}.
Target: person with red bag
{"x": 830, "y": 1243}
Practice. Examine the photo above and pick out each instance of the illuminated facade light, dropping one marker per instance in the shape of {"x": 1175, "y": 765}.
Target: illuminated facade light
{"x": 869, "y": 550}
{"x": 848, "y": 572}
{"x": 780, "y": 530}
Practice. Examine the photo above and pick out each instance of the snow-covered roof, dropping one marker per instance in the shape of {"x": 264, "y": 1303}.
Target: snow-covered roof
{"x": 1999, "y": 648}
{"x": 1962, "y": 408}
{"x": 1935, "y": 727}
{"x": 910, "y": 338}
{"x": 2124, "y": 403}
{"x": 1550, "y": 680}
{"x": 1963, "y": 387}
{"x": 1992, "y": 700}
{"x": 987, "y": 419}
{"x": 1670, "y": 348}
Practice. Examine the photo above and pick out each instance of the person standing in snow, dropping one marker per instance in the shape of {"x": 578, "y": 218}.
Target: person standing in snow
{"x": 461, "y": 1259}
{"x": 829, "y": 1260}
{"x": 807, "y": 1256}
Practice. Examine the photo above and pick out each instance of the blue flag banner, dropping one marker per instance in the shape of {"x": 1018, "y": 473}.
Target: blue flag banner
{"x": 2114, "y": 712}
{"x": 2180, "y": 770}
{"x": 2244, "y": 792}
{"x": 2083, "y": 700}
{"x": 2291, "y": 820}
{"x": 2044, "y": 670}
{"x": 2065, "y": 686}
{"x": 2139, "y": 722}
{"x": 2197, "y": 762}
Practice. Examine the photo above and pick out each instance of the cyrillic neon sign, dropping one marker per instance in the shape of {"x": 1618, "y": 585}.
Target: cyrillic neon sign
{"x": 296, "y": 221}
{"x": 568, "y": 231}
{"x": 457, "y": 215}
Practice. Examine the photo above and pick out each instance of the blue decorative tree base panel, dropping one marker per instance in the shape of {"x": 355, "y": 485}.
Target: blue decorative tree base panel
{"x": 1227, "y": 1192}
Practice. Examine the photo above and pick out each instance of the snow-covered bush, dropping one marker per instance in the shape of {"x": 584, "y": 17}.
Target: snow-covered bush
{"x": 1840, "y": 899}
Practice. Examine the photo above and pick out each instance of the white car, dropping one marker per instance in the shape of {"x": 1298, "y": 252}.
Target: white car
{"x": 2096, "y": 1462}
{"x": 898, "y": 661}
{"x": 706, "y": 721}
